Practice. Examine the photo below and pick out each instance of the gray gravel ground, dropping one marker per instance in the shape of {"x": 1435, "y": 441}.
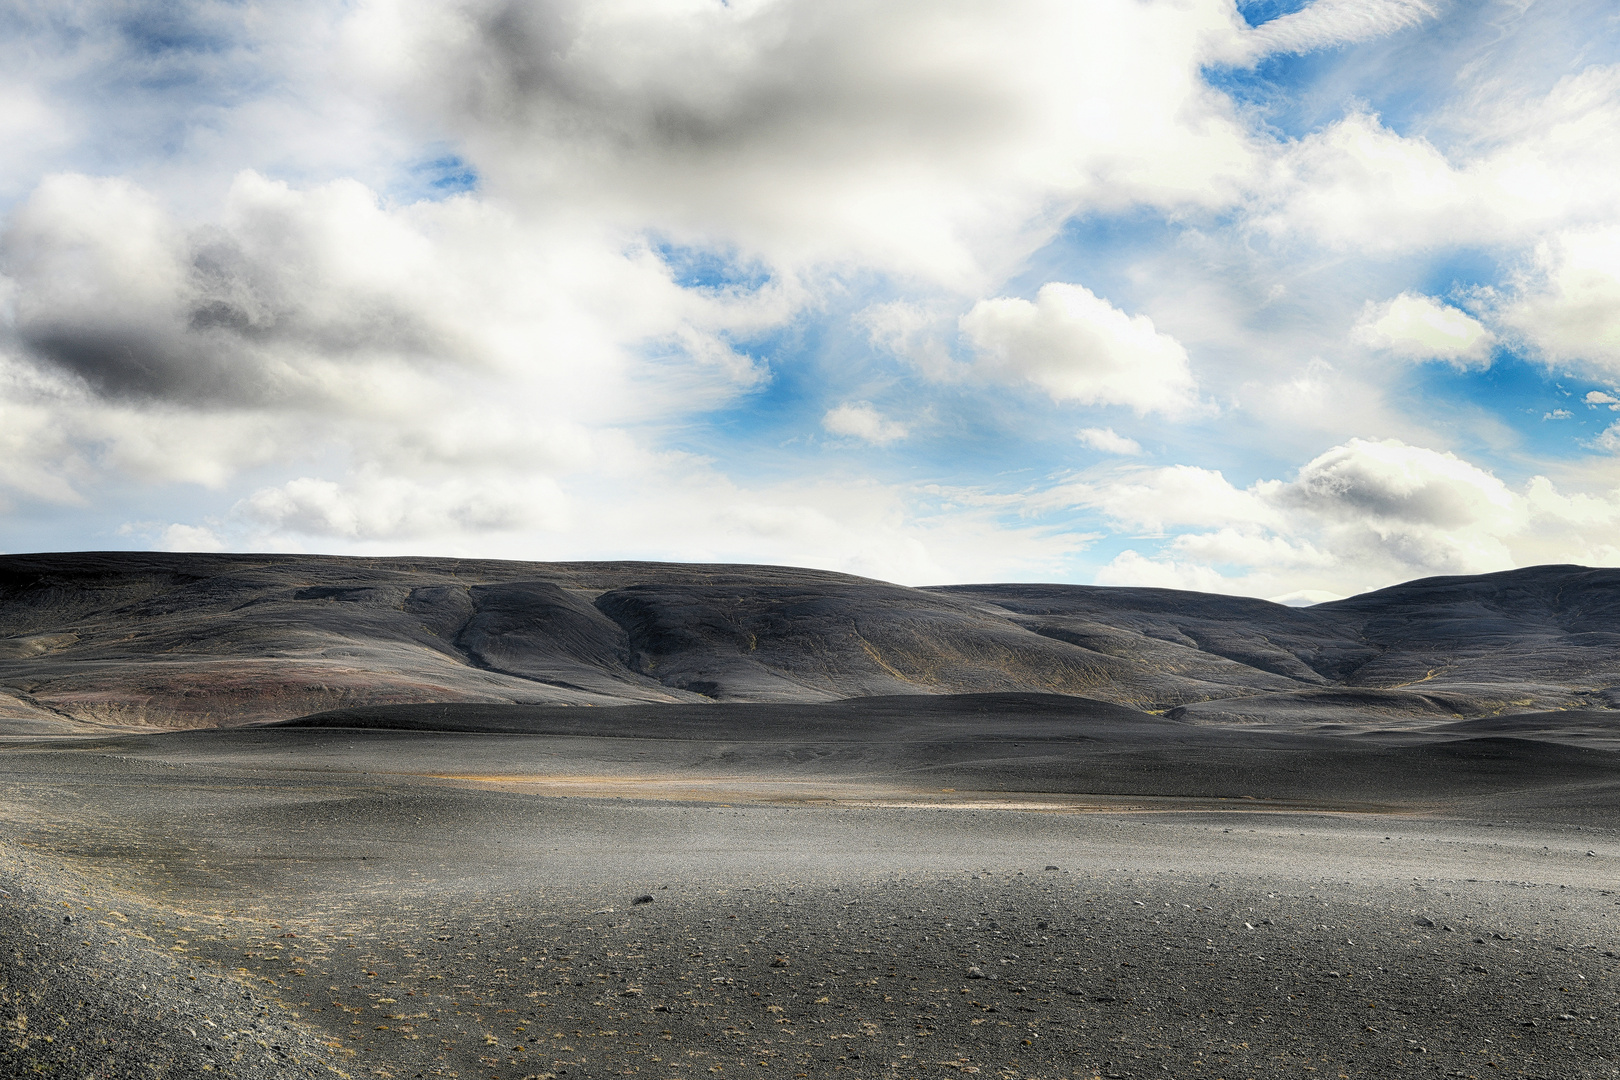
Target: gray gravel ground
{"x": 86, "y": 991}
{"x": 274, "y": 915}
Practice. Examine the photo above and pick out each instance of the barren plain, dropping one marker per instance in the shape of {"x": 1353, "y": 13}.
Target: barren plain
{"x": 809, "y": 827}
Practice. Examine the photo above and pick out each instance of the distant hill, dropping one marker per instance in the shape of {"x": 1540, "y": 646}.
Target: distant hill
{"x": 196, "y": 640}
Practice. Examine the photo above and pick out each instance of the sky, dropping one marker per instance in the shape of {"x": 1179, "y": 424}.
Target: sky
{"x": 1283, "y": 299}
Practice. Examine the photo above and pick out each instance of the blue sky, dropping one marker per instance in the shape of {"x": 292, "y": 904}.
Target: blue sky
{"x": 1278, "y": 298}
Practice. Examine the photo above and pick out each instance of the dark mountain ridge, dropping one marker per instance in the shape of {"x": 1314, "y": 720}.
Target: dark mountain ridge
{"x": 202, "y": 640}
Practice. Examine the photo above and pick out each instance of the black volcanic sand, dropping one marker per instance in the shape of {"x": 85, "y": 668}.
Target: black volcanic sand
{"x": 1167, "y": 900}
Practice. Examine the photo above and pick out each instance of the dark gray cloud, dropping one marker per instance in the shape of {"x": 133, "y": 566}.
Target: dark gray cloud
{"x": 124, "y": 362}
{"x": 113, "y": 292}
{"x": 783, "y": 75}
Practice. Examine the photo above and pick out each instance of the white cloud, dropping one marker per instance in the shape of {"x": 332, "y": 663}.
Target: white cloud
{"x": 1558, "y": 414}
{"x": 1523, "y": 165}
{"x": 31, "y": 128}
{"x": 495, "y": 372}
{"x": 1246, "y": 547}
{"x": 1579, "y": 511}
{"x": 1357, "y": 185}
{"x": 1608, "y": 440}
{"x": 1568, "y": 306}
{"x": 1132, "y": 569}
{"x": 934, "y": 141}
{"x": 190, "y": 538}
{"x": 1594, "y": 398}
{"x": 859, "y": 420}
{"x": 327, "y": 298}
{"x": 310, "y": 326}
{"x": 1078, "y": 347}
{"x": 1109, "y": 441}
{"x": 1335, "y": 22}
{"x": 1419, "y": 327}
{"x": 914, "y": 333}
{"x": 268, "y": 296}
{"x": 1388, "y": 485}
{"x": 1359, "y": 516}
{"x": 373, "y": 507}
{"x": 885, "y": 531}
{"x": 1154, "y": 500}
{"x": 1305, "y": 597}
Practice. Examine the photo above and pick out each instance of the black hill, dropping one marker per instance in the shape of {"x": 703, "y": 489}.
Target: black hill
{"x": 432, "y": 817}
{"x": 143, "y": 640}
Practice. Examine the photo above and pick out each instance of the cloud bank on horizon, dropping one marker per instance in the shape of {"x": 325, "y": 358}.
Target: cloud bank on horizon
{"x": 1269, "y": 297}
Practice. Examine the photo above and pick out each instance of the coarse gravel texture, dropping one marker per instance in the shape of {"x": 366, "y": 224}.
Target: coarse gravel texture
{"x": 287, "y": 903}
{"x": 88, "y": 991}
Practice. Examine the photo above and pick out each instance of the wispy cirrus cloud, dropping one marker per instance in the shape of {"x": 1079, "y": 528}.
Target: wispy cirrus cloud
{"x": 1327, "y": 23}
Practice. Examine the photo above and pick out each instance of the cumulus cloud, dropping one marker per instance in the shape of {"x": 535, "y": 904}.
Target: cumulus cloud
{"x": 190, "y": 538}
{"x": 1132, "y": 569}
{"x": 1155, "y": 500}
{"x": 292, "y": 291}
{"x": 1522, "y": 165}
{"x": 1109, "y": 441}
{"x": 1607, "y": 440}
{"x": 1358, "y": 185}
{"x": 276, "y": 290}
{"x": 1568, "y": 306}
{"x": 327, "y": 297}
{"x": 859, "y": 420}
{"x": 1389, "y": 485}
{"x": 1239, "y": 547}
{"x": 928, "y": 140}
{"x": 1358, "y": 516}
{"x": 857, "y": 526}
{"x": 60, "y": 442}
{"x": 324, "y": 323}
{"x": 372, "y": 507}
{"x": 1421, "y": 328}
{"x": 449, "y": 275}
{"x": 1078, "y": 347}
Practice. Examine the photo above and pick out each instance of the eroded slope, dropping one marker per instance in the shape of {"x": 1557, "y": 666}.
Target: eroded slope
{"x": 191, "y": 640}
